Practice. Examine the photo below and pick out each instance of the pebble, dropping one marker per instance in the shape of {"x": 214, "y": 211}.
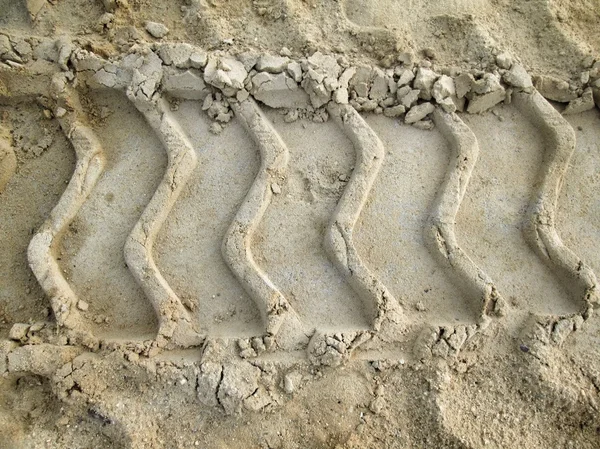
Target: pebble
{"x": 395, "y": 111}
{"x": 279, "y": 91}
{"x": 424, "y": 81}
{"x": 554, "y": 89}
{"x": 157, "y": 30}
{"x": 504, "y": 61}
{"x": 419, "y": 112}
{"x": 272, "y": 64}
{"x": 518, "y": 77}
{"x": 443, "y": 88}
{"x": 481, "y": 103}
{"x": 410, "y": 98}
{"x": 18, "y": 332}
{"x": 581, "y": 104}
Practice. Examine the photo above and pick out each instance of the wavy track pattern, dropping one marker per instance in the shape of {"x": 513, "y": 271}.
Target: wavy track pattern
{"x": 89, "y": 167}
{"x": 279, "y": 318}
{"x": 376, "y": 298}
{"x": 175, "y": 324}
{"x": 539, "y": 229}
{"x": 439, "y": 231}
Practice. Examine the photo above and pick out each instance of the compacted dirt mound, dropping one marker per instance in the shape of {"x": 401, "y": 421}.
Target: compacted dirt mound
{"x": 298, "y": 224}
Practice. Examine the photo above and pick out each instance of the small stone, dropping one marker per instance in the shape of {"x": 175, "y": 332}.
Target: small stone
{"x": 176, "y": 54}
{"x": 198, "y": 59}
{"x": 187, "y": 85}
{"x": 419, "y": 112}
{"x": 18, "y": 332}
{"x": 443, "y": 88}
{"x": 379, "y": 87}
{"x": 481, "y": 103}
{"x": 504, "y": 61}
{"x": 82, "y": 305}
{"x": 518, "y": 77}
{"x": 157, "y": 30}
{"x": 291, "y": 382}
{"x": 360, "y": 77}
{"x": 225, "y": 73}
{"x": 271, "y": 64}
{"x": 561, "y": 331}
{"x": 324, "y": 64}
{"x": 424, "y": 81}
{"x": 248, "y": 353}
{"x": 295, "y": 71}
{"x": 462, "y": 84}
{"x": 275, "y": 188}
{"x": 402, "y": 92}
{"x": 584, "y": 77}
{"x": 581, "y": 104}
{"x": 278, "y": 91}
{"x": 291, "y": 116}
{"x": 488, "y": 83}
{"x": 395, "y": 111}
{"x": 554, "y": 89}
{"x": 410, "y": 98}
{"x": 346, "y": 76}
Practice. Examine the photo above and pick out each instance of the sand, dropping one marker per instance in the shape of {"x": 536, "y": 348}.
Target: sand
{"x": 299, "y": 224}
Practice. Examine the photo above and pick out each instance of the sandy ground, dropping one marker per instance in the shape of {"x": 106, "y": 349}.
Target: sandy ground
{"x": 193, "y": 255}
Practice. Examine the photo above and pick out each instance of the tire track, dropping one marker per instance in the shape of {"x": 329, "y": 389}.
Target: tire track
{"x": 188, "y": 247}
{"x": 280, "y": 320}
{"x": 540, "y": 230}
{"x": 439, "y": 230}
{"x": 289, "y": 241}
{"x": 89, "y": 167}
{"x": 175, "y": 324}
{"x": 377, "y": 300}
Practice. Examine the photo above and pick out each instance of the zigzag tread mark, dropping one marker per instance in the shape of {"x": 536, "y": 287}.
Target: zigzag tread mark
{"x": 40, "y": 253}
{"x": 439, "y": 230}
{"x": 539, "y": 229}
{"x": 279, "y": 319}
{"x": 378, "y": 301}
{"x": 174, "y": 322}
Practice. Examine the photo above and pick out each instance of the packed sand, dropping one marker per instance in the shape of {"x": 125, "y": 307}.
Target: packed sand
{"x": 299, "y": 224}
